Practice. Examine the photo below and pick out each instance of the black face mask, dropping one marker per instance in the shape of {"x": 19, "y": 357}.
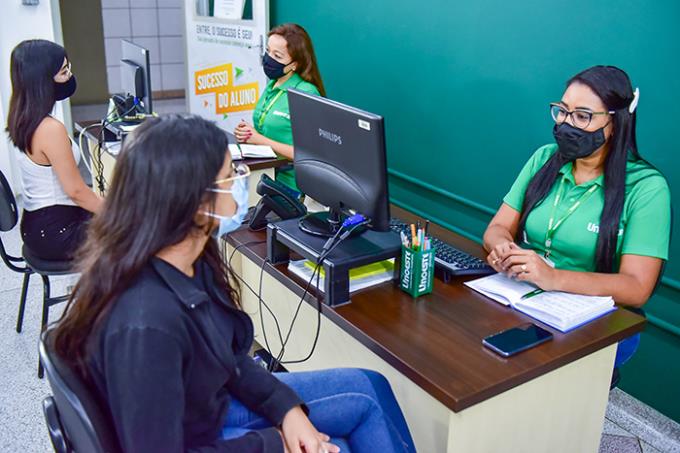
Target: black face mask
{"x": 272, "y": 68}
{"x": 576, "y": 143}
{"x": 66, "y": 89}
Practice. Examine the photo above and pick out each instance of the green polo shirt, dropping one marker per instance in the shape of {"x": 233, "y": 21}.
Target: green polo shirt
{"x": 271, "y": 118}
{"x": 645, "y": 220}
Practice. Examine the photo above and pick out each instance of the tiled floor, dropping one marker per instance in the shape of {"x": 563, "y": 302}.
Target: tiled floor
{"x": 633, "y": 427}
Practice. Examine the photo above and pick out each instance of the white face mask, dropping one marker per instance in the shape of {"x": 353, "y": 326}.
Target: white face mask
{"x": 239, "y": 191}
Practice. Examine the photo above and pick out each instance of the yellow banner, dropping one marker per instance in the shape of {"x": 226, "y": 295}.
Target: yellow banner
{"x": 213, "y": 80}
{"x": 237, "y": 99}
{"x": 228, "y": 98}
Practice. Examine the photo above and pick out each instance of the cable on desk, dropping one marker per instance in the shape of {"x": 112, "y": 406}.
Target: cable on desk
{"x": 330, "y": 245}
{"x": 101, "y": 181}
{"x": 80, "y": 147}
{"x": 261, "y": 301}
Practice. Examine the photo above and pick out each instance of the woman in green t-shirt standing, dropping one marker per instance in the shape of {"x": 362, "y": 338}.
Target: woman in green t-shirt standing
{"x": 587, "y": 215}
{"x": 289, "y": 62}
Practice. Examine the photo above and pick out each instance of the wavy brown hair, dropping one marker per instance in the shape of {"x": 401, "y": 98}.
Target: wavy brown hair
{"x": 301, "y": 50}
{"x": 160, "y": 182}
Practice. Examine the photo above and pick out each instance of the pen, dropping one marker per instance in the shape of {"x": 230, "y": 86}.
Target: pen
{"x": 427, "y": 226}
{"x": 533, "y": 293}
{"x": 413, "y": 234}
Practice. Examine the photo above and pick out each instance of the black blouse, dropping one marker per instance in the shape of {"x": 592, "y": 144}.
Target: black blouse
{"x": 169, "y": 357}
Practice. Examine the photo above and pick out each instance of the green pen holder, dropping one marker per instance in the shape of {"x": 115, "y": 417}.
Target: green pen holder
{"x": 416, "y": 276}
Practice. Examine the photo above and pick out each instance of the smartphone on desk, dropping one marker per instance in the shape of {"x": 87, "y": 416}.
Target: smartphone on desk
{"x": 510, "y": 342}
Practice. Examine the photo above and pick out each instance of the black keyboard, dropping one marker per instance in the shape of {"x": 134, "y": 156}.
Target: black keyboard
{"x": 447, "y": 257}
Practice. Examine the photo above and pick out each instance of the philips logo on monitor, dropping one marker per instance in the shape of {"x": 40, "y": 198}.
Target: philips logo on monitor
{"x": 331, "y": 137}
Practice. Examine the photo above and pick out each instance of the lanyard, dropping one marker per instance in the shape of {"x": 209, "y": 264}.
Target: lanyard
{"x": 260, "y": 121}
{"x": 263, "y": 115}
{"x": 552, "y": 225}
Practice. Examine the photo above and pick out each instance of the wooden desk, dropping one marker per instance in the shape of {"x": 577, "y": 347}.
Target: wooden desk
{"x": 457, "y": 395}
{"x": 103, "y": 162}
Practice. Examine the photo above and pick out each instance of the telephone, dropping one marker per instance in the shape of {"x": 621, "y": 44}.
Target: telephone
{"x": 278, "y": 202}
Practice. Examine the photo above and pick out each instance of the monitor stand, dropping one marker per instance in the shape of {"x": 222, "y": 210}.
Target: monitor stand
{"x": 324, "y": 223}
{"x": 355, "y": 251}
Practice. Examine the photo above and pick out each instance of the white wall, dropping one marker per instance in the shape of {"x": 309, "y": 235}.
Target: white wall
{"x": 17, "y": 23}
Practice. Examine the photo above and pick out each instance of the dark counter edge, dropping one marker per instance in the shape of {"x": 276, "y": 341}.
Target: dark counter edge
{"x": 455, "y": 404}
{"x": 253, "y": 164}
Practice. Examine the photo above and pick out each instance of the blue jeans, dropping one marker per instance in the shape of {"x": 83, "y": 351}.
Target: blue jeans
{"x": 355, "y": 407}
{"x": 626, "y": 349}
{"x": 628, "y": 346}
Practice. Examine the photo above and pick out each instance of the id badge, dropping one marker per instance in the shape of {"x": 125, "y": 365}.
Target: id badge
{"x": 548, "y": 261}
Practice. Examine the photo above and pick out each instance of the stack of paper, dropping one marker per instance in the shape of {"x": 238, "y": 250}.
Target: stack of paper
{"x": 359, "y": 278}
{"x": 563, "y": 311}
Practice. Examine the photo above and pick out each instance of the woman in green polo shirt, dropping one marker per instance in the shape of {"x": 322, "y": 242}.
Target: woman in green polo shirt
{"x": 289, "y": 62}
{"x": 587, "y": 215}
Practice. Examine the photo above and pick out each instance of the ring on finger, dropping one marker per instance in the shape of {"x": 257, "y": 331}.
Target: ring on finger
{"x": 524, "y": 267}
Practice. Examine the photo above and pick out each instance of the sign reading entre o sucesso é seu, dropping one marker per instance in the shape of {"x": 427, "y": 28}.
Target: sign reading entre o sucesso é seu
{"x": 228, "y": 97}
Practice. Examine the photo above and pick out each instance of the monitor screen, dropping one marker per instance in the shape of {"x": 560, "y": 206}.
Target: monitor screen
{"x": 340, "y": 160}
{"x": 136, "y": 70}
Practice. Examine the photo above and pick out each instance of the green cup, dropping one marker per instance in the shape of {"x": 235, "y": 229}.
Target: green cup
{"x": 416, "y": 276}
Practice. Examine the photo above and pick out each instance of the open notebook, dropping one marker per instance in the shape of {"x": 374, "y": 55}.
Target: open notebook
{"x": 563, "y": 311}
{"x": 251, "y": 151}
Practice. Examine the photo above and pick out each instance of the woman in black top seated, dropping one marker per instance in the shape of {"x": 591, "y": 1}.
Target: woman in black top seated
{"x": 154, "y": 323}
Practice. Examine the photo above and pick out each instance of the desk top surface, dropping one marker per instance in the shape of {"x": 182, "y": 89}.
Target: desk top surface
{"x": 436, "y": 340}
{"x": 94, "y": 129}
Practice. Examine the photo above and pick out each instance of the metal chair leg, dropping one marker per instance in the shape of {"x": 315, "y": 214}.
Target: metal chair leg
{"x": 43, "y": 323}
{"x": 22, "y": 303}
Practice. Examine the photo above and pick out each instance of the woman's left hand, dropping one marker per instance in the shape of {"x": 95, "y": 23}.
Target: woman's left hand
{"x": 527, "y": 265}
{"x": 255, "y": 138}
{"x": 300, "y": 435}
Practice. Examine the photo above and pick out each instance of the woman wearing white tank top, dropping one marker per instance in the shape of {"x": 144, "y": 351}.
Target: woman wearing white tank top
{"x": 57, "y": 202}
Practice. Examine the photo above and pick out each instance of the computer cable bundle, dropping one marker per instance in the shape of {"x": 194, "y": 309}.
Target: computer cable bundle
{"x": 101, "y": 181}
{"x": 80, "y": 147}
{"x": 261, "y": 301}
{"x": 350, "y": 225}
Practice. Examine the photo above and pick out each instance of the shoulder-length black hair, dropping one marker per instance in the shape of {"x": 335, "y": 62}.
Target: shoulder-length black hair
{"x": 161, "y": 179}
{"x": 613, "y": 87}
{"x": 33, "y": 65}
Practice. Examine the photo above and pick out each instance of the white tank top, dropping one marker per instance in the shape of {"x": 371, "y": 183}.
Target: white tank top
{"x": 41, "y": 185}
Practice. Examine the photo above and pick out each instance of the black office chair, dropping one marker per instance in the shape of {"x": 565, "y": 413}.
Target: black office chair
{"x": 75, "y": 419}
{"x": 29, "y": 263}
{"x": 9, "y": 216}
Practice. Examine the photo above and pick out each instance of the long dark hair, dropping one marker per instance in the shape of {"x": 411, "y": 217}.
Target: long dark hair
{"x": 301, "y": 50}
{"x": 160, "y": 181}
{"x": 613, "y": 87}
{"x": 33, "y": 65}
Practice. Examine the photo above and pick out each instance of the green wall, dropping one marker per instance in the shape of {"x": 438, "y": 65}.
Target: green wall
{"x": 464, "y": 88}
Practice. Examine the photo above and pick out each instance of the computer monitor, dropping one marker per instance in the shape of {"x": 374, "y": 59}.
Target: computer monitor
{"x": 135, "y": 74}
{"x": 340, "y": 161}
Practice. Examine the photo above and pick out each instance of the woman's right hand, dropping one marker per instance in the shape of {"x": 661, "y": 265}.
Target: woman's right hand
{"x": 498, "y": 254}
{"x": 300, "y": 436}
{"x": 243, "y": 132}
